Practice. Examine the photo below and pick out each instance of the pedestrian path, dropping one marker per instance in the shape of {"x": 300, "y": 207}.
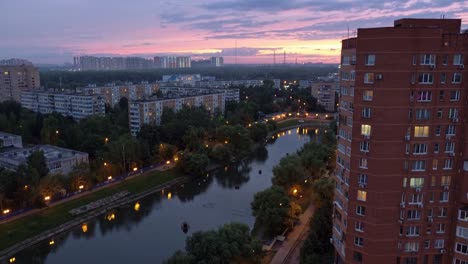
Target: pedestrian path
{"x": 294, "y": 237}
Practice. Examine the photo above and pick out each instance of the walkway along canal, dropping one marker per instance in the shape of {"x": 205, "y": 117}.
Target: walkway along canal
{"x": 148, "y": 230}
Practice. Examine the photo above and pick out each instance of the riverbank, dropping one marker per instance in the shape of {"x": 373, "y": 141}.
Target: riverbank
{"x": 49, "y": 219}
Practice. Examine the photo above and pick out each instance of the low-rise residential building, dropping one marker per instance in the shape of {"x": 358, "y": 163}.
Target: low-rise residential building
{"x": 75, "y": 105}
{"x": 325, "y": 94}
{"x": 150, "y": 111}
{"x": 231, "y": 94}
{"x": 184, "y": 79}
{"x": 113, "y": 93}
{"x": 10, "y": 140}
{"x": 59, "y": 160}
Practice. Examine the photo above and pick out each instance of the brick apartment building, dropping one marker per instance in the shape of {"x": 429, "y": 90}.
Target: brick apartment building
{"x": 402, "y": 166}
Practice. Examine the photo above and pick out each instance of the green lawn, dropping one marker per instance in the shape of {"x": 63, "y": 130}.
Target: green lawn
{"x": 28, "y": 226}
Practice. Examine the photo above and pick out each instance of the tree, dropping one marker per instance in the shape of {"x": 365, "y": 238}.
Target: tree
{"x": 271, "y": 209}
{"x": 258, "y": 132}
{"x": 231, "y": 243}
{"x": 194, "y": 163}
{"x": 193, "y": 138}
{"x": 37, "y": 162}
{"x": 52, "y": 185}
{"x": 221, "y": 153}
{"x": 323, "y": 191}
{"x": 289, "y": 172}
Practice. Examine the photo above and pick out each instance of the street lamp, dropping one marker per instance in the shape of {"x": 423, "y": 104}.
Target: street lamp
{"x": 81, "y": 187}
{"x": 47, "y": 198}
{"x": 6, "y": 211}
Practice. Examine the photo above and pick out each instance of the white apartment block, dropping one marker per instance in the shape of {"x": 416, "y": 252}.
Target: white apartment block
{"x": 325, "y": 94}
{"x": 59, "y": 160}
{"x": 10, "y": 140}
{"x": 150, "y": 111}
{"x": 113, "y": 93}
{"x": 74, "y": 105}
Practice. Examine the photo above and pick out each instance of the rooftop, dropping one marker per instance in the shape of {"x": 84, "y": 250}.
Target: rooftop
{"x": 51, "y": 153}
{"x": 4, "y": 135}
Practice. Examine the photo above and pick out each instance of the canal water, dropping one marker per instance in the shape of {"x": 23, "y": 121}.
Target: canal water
{"x": 150, "y": 231}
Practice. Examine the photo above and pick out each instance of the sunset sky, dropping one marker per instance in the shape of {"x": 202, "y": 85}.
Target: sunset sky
{"x": 53, "y": 31}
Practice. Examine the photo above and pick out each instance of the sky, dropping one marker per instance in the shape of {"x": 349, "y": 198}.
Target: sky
{"x": 53, "y": 31}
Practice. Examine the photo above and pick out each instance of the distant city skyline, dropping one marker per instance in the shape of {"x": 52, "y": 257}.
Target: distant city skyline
{"x": 53, "y": 31}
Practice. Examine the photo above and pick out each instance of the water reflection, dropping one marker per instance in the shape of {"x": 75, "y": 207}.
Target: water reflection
{"x": 150, "y": 228}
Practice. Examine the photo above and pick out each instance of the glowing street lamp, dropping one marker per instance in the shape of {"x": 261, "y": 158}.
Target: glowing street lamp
{"x": 52, "y": 242}
{"x": 6, "y": 211}
{"x": 106, "y": 140}
{"x": 136, "y": 207}
{"x": 12, "y": 259}
{"x": 47, "y": 198}
{"x": 168, "y": 162}
{"x": 169, "y": 196}
{"x": 295, "y": 191}
{"x": 84, "y": 227}
{"x": 109, "y": 178}
{"x": 225, "y": 142}
{"x": 56, "y": 131}
{"x": 135, "y": 169}
{"x": 81, "y": 187}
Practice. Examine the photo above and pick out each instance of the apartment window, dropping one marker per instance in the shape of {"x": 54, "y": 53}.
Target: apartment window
{"x": 416, "y": 182}
{"x": 412, "y": 231}
{"x": 448, "y": 165}
{"x": 359, "y": 226}
{"x": 423, "y": 114}
{"x": 433, "y": 181}
{"x": 414, "y": 60}
{"x": 458, "y": 59}
{"x": 421, "y": 131}
{"x": 366, "y": 112}
{"x": 439, "y": 243}
{"x": 411, "y": 246}
{"x": 364, "y": 146}
{"x": 369, "y": 77}
{"x": 443, "y": 77}
{"x": 427, "y": 59}
{"x": 443, "y": 212}
{"x": 434, "y": 164}
{"x": 449, "y": 147}
{"x": 359, "y": 241}
{"x": 445, "y": 180}
{"x": 457, "y": 77}
{"x": 345, "y": 60}
{"x": 440, "y": 228}
{"x": 415, "y": 198}
{"x": 445, "y": 59}
{"x": 441, "y": 95}
{"x": 454, "y": 95}
{"x": 407, "y": 148}
{"x": 431, "y": 199}
{"x": 463, "y": 215}
{"x": 444, "y": 197}
{"x": 453, "y": 113}
{"x": 424, "y": 96}
{"x": 426, "y": 78}
{"x": 362, "y": 179}
{"x": 450, "y": 130}
{"x": 462, "y": 232}
{"x": 419, "y": 148}
{"x": 436, "y": 147}
{"x": 361, "y": 195}
{"x": 370, "y": 60}
{"x": 362, "y": 163}
{"x": 459, "y": 261}
{"x": 437, "y": 131}
{"x": 439, "y": 113}
{"x": 360, "y": 210}
{"x": 427, "y": 244}
{"x": 365, "y": 130}
{"x": 367, "y": 95}
{"x": 461, "y": 248}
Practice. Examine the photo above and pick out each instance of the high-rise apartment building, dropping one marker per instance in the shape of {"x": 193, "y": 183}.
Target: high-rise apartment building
{"x": 174, "y": 62}
{"x": 217, "y": 61}
{"x": 402, "y": 161}
{"x": 324, "y": 92}
{"x": 17, "y": 78}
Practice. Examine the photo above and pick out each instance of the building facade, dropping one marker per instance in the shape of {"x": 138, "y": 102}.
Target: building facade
{"x": 77, "y": 106}
{"x": 217, "y": 61}
{"x": 91, "y": 63}
{"x": 113, "y": 93}
{"x": 59, "y": 160}
{"x": 10, "y": 140}
{"x": 324, "y": 92}
{"x": 17, "y": 78}
{"x": 150, "y": 111}
{"x": 402, "y": 166}
{"x": 174, "y": 62}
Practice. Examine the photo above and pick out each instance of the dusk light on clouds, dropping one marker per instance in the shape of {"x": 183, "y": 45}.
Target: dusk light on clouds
{"x": 53, "y": 31}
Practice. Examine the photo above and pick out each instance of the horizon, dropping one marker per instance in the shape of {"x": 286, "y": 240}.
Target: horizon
{"x": 308, "y": 31}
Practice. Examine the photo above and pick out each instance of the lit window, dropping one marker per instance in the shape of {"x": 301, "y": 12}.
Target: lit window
{"x": 367, "y": 95}
{"x": 362, "y": 195}
{"x": 416, "y": 182}
{"x": 369, "y": 77}
{"x": 420, "y": 131}
{"x": 445, "y": 180}
{"x": 366, "y": 130}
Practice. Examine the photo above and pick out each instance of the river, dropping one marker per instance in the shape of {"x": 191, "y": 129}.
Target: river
{"x": 150, "y": 231}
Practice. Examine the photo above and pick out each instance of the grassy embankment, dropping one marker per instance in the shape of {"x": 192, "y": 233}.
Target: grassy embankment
{"x": 31, "y": 225}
